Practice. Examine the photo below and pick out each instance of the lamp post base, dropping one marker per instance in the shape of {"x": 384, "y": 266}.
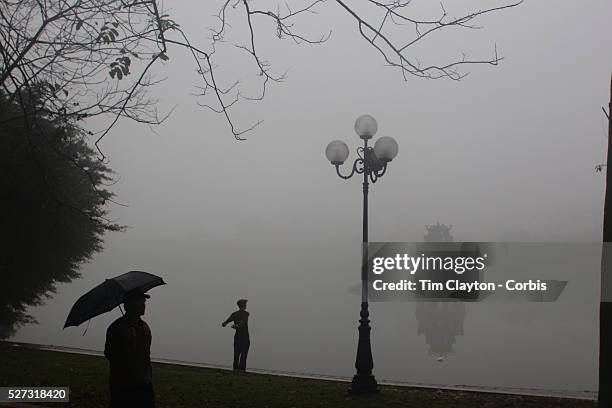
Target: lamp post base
{"x": 363, "y": 384}
{"x": 364, "y": 381}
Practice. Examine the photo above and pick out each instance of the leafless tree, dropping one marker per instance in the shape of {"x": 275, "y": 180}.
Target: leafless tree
{"x": 95, "y": 57}
{"x": 605, "y": 305}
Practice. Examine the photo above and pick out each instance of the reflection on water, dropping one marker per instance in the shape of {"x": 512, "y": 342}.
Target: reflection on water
{"x": 440, "y": 323}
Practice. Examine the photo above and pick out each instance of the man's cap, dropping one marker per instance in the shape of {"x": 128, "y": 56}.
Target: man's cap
{"x": 241, "y": 302}
{"x": 134, "y": 294}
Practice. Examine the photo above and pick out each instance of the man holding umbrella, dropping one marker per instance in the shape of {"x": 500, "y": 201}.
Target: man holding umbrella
{"x": 128, "y": 349}
{"x": 128, "y": 339}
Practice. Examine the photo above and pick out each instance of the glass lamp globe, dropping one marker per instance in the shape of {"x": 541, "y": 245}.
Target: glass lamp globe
{"x": 386, "y": 148}
{"x": 366, "y": 126}
{"x": 337, "y": 152}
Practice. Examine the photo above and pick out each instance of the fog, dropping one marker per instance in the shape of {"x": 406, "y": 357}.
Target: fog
{"x": 506, "y": 154}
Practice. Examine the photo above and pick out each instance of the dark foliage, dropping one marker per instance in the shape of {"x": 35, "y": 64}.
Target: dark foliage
{"x": 53, "y": 196}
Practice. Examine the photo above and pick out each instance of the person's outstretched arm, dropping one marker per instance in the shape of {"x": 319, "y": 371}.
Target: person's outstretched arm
{"x": 229, "y": 319}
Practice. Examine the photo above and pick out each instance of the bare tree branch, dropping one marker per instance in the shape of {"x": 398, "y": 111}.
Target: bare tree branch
{"x": 87, "y": 51}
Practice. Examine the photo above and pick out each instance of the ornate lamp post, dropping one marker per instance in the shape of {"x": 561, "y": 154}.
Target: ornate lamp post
{"x": 372, "y": 163}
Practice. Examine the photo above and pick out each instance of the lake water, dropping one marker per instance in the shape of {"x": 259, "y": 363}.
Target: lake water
{"x": 305, "y": 321}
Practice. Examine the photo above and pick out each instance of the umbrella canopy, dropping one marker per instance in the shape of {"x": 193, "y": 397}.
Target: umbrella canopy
{"x": 109, "y": 294}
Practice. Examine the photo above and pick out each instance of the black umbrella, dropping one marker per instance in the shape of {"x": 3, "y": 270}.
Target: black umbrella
{"x": 109, "y": 294}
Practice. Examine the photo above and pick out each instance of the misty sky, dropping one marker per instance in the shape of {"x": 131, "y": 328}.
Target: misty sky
{"x": 508, "y": 153}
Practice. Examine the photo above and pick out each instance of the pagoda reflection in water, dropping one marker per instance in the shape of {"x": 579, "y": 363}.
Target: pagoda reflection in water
{"x": 440, "y": 322}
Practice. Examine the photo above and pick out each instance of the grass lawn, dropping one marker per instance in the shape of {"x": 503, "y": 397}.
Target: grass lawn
{"x": 180, "y": 386}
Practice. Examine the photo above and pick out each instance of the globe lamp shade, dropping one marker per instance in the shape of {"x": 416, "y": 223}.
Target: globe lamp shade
{"x": 337, "y": 152}
{"x": 366, "y": 126}
{"x": 385, "y": 148}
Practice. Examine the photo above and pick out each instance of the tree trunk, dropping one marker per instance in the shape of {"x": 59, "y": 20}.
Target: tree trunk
{"x": 605, "y": 305}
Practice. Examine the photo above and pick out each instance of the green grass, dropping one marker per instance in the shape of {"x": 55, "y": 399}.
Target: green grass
{"x": 180, "y": 386}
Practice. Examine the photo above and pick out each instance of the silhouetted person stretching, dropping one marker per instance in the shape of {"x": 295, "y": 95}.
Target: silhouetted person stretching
{"x": 241, "y": 337}
{"x": 128, "y": 349}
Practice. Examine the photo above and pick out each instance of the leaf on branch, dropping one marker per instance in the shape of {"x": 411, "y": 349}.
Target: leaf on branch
{"x": 120, "y": 67}
{"x": 163, "y": 56}
{"x": 79, "y": 25}
{"x": 107, "y": 35}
